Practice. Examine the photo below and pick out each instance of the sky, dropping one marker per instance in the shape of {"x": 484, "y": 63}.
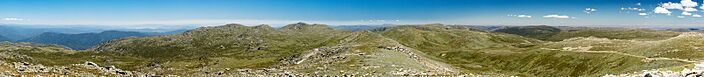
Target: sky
{"x": 355, "y": 12}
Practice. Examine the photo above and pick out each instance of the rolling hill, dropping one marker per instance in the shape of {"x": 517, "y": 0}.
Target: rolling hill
{"x": 539, "y": 32}
{"x": 549, "y": 33}
{"x": 80, "y": 41}
{"x": 303, "y": 49}
{"x": 360, "y": 27}
{"x": 3, "y": 38}
{"x": 488, "y": 53}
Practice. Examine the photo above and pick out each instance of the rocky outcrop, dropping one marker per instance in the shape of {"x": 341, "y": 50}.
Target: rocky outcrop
{"x": 108, "y": 69}
{"x": 81, "y": 70}
{"x": 696, "y": 71}
{"x": 317, "y": 50}
{"x": 422, "y": 60}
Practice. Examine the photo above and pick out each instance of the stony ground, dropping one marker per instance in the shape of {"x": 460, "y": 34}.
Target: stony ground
{"x": 303, "y": 50}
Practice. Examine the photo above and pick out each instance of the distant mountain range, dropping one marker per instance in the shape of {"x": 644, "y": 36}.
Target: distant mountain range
{"x": 550, "y": 33}
{"x": 360, "y": 27}
{"x": 3, "y": 38}
{"x": 19, "y": 32}
{"x": 302, "y": 49}
{"x": 80, "y": 41}
{"x": 81, "y": 36}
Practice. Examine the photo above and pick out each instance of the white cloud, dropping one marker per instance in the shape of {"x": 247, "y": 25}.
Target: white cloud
{"x": 686, "y": 6}
{"x": 375, "y": 20}
{"x": 662, "y": 10}
{"x": 12, "y": 19}
{"x": 589, "y": 10}
{"x": 637, "y": 4}
{"x": 632, "y": 9}
{"x": 642, "y": 14}
{"x": 556, "y": 16}
{"x": 639, "y": 9}
{"x": 670, "y": 5}
{"x": 524, "y": 16}
{"x": 697, "y": 15}
{"x": 689, "y": 9}
{"x": 520, "y": 16}
{"x": 688, "y": 3}
{"x": 686, "y": 13}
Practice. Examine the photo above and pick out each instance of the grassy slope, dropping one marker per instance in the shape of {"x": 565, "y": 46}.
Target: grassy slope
{"x": 362, "y": 52}
{"x": 229, "y": 46}
{"x": 237, "y": 46}
{"x": 549, "y": 33}
{"x": 484, "y": 52}
{"x": 685, "y": 46}
{"x": 615, "y": 33}
{"x": 57, "y": 56}
{"x": 537, "y": 32}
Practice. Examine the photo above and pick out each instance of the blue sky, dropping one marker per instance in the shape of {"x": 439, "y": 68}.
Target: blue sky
{"x": 348, "y": 12}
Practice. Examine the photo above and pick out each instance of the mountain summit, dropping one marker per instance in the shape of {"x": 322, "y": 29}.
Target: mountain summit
{"x": 302, "y": 49}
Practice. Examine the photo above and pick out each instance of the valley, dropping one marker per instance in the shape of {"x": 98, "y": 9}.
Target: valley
{"x": 303, "y": 49}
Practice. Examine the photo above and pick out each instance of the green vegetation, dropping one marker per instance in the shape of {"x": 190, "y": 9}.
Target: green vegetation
{"x": 615, "y": 33}
{"x": 486, "y": 52}
{"x": 232, "y": 45}
{"x": 538, "y": 32}
{"x": 430, "y": 49}
{"x": 549, "y": 33}
{"x": 80, "y": 41}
